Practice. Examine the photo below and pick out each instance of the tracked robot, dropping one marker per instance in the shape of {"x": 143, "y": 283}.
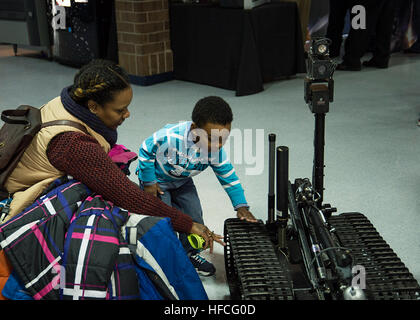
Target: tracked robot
{"x": 305, "y": 250}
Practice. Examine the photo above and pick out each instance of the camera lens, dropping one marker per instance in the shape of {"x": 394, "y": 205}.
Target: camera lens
{"x": 322, "y": 49}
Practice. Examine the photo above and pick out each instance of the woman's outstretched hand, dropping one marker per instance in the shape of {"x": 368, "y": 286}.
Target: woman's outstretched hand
{"x": 208, "y": 236}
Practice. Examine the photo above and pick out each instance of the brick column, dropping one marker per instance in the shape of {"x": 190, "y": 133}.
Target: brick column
{"x": 144, "y": 48}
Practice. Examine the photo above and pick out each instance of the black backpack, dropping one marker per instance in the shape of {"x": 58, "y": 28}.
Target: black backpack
{"x": 20, "y": 127}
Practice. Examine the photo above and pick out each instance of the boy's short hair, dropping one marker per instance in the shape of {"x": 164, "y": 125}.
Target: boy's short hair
{"x": 212, "y": 109}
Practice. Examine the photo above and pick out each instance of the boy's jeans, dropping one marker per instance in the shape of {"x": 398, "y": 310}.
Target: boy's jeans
{"x": 183, "y": 196}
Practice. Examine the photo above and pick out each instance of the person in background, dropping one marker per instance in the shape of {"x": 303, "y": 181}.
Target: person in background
{"x": 415, "y": 47}
{"x": 336, "y": 18}
{"x": 379, "y": 21}
{"x": 304, "y": 9}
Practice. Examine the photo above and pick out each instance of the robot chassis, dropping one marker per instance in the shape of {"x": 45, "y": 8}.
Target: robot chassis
{"x": 304, "y": 252}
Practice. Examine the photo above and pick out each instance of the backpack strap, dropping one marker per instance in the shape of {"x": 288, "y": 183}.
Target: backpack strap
{"x": 65, "y": 123}
{"x": 8, "y": 117}
{"x": 7, "y": 114}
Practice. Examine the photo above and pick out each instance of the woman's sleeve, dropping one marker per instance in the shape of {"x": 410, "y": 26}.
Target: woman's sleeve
{"x": 82, "y": 157}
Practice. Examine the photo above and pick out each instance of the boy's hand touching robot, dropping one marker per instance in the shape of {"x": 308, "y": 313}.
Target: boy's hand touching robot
{"x": 244, "y": 214}
{"x": 153, "y": 189}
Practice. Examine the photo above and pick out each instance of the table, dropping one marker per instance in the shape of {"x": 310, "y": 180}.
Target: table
{"x": 236, "y": 49}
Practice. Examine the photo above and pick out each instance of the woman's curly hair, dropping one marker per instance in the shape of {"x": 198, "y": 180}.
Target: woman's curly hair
{"x": 98, "y": 80}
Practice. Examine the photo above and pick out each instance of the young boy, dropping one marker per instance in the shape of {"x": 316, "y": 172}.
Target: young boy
{"x": 171, "y": 156}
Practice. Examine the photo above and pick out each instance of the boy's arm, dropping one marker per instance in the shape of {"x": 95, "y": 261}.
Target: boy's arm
{"x": 147, "y": 157}
{"x": 227, "y": 177}
{"x": 225, "y": 173}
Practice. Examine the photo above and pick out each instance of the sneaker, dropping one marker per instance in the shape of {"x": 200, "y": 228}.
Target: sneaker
{"x": 203, "y": 267}
{"x": 418, "y": 122}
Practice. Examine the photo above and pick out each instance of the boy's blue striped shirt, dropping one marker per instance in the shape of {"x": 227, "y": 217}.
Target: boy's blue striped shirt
{"x": 168, "y": 155}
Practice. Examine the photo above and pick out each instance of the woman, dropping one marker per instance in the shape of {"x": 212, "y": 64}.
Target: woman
{"x": 99, "y": 100}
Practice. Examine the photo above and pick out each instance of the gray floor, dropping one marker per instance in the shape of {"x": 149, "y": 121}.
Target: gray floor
{"x": 372, "y": 141}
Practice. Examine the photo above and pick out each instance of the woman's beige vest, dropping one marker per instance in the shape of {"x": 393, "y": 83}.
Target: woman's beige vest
{"x": 34, "y": 172}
